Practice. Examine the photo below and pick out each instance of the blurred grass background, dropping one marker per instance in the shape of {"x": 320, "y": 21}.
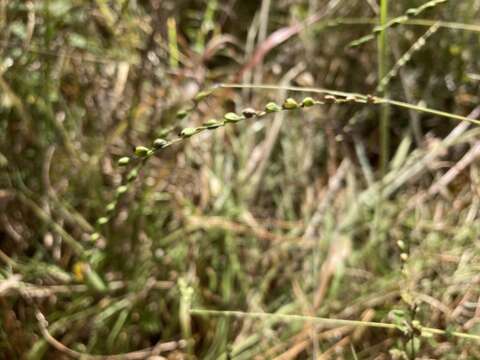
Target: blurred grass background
{"x": 291, "y": 214}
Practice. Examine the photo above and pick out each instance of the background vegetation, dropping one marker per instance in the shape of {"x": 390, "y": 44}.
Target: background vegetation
{"x": 355, "y": 208}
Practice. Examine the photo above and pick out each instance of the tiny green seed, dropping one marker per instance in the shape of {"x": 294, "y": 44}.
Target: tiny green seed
{"x": 182, "y": 114}
{"x": 3, "y": 161}
{"x": 159, "y": 143}
{"x": 102, "y": 220}
{"x": 187, "y": 132}
{"x": 290, "y": 104}
{"x": 132, "y": 175}
{"x": 95, "y": 236}
{"x": 232, "y": 117}
{"x": 124, "y": 161}
{"x": 110, "y": 207}
{"x": 308, "y": 101}
{"x": 122, "y": 189}
{"x": 141, "y": 151}
{"x": 202, "y": 95}
{"x": 212, "y": 124}
{"x": 272, "y": 107}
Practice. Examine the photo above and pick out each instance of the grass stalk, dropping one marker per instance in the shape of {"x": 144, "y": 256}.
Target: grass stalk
{"x": 173, "y": 43}
{"x": 425, "y": 331}
{"x": 382, "y": 72}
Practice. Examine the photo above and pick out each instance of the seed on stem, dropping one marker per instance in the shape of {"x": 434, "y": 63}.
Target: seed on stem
{"x": 249, "y": 113}
{"x": 159, "y": 143}
{"x": 181, "y": 114}
{"x": 187, "y": 132}
{"x": 102, "y": 221}
{"x": 232, "y": 117}
{"x": 212, "y": 124}
{"x": 122, "y": 189}
{"x": 141, "y": 151}
{"x": 132, "y": 175}
{"x": 330, "y": 99}
{"x": 308, "y": 102}
{"x": 124, "y": 161}
{"x": 272, "y": 107}
{"x": 202, "y": 95}
{"x": 290, "y": 104}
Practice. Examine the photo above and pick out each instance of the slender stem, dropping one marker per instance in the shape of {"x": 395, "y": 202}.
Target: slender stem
{"x": 172, "y": 43}
{"x": 426, "y": 331}
{"x": 382, "y": 72}
{"x": 284, "y": 317}
{"x": 134, "y": 355}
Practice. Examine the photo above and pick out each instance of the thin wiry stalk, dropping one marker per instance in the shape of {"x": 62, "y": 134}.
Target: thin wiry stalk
{"x": 412, "y": 22}
{"x": 172, "y": 43}
{"x": 425, "y": 331}
{"x": 382, "y": 72}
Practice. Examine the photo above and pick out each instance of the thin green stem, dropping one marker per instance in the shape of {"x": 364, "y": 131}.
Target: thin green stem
{"x": 382, "y": 72}
{"x": 425, "y": 331}
{"x": 172, "y": 43}
{"x": 283, "y": 317}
